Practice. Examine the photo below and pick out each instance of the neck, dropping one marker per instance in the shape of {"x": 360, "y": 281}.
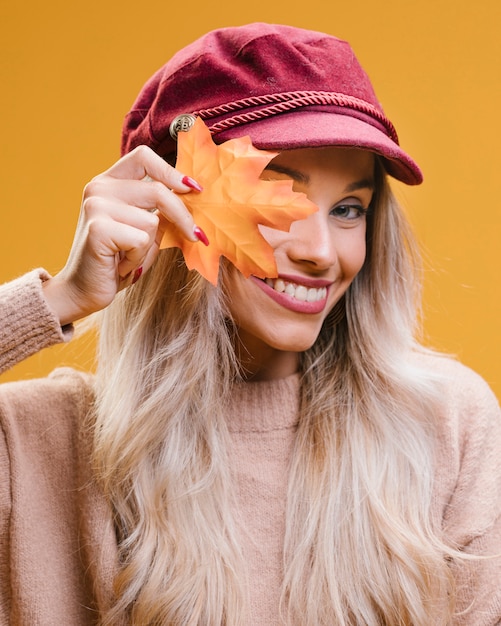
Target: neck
{"x": 262, "y": 362}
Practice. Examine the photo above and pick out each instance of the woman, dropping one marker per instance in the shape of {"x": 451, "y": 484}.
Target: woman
{"x": 274, "y": 450}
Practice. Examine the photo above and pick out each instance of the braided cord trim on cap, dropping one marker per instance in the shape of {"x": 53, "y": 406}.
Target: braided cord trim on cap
{"x": 288, "y": 101}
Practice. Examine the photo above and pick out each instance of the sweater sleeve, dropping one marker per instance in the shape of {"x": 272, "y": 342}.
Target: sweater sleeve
{"x": 472, "y": 516}
{"x": 57, "y": 543}
{"x": 26, "y": 323}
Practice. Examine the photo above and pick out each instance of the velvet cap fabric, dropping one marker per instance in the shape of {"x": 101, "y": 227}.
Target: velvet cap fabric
{"x": 285, "y": 87}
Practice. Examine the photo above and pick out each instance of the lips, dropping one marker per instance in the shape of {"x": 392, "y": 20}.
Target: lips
{"x": 299, "y": 295}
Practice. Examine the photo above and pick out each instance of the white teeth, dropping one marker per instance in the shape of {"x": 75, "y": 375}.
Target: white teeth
{"x": 312, "y": 295}
{"x": 299, "y": 292}
{"x": 279, "y": 285}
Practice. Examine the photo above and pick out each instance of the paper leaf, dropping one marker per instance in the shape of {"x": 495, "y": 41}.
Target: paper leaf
{"x": 233, "y": 203}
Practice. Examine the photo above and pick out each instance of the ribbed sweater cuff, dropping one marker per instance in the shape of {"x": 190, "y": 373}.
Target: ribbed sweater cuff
{"x": 26, "y": 323}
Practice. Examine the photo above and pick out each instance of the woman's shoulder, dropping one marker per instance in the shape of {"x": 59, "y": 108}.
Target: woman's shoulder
{"x": 457, "y": 379}
{"x": 46, "y": 407}
{"x": 470, "y": 407}
{"x": 63, "y": 380}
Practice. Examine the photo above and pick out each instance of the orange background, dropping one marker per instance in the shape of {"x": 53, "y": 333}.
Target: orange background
{"x": 69, "y": 72}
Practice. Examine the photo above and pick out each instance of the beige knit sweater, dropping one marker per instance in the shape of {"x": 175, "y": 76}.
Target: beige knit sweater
{"x": 57, "y": 544}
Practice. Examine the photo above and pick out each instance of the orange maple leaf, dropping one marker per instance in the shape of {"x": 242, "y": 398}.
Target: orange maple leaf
{"x": 232, "y": 205}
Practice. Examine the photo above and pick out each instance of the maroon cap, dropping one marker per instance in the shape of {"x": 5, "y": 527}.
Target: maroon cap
{"x": 284, "y": 87}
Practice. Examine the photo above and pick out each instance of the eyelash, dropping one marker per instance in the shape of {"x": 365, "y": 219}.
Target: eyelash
{"x": 361, "y": 212}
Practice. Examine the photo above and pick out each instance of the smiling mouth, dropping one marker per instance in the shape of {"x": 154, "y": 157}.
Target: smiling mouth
{"x": 296, "y": 291}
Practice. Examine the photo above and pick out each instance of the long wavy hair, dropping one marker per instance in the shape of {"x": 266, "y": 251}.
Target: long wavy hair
{"x": 360, "y": 544}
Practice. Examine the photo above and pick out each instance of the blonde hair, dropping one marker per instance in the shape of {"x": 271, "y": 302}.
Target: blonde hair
{"x": 360, "y": 544}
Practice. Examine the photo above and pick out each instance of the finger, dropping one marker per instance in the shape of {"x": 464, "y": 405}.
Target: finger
{"x": 145, "y": 194}
{"x": 133, "y": 276}
{"x": 116, "y": 209}
{"x": 144, "y": 162}
{"x": 108, "y": 240}
{"x": 134, "y": 254}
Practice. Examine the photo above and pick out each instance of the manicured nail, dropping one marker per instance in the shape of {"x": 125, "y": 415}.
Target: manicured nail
{"x": 137, "y": 275}
{"x": 192, "y": 184}
{"x": 200, "y": 235}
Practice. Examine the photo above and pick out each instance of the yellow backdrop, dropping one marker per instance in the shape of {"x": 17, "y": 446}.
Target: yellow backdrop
{"x": 71, "y": 70}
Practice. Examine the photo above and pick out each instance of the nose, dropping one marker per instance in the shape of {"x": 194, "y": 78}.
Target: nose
{"x": 312, "y": 242}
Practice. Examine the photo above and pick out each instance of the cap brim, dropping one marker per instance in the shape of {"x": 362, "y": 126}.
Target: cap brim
{"x": 309, "y": 129}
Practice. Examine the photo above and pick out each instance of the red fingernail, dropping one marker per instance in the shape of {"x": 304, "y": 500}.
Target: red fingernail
{"x": 137, "y": 275}
{"x": 192, "y": 184}
{"x": 200, "y": 235}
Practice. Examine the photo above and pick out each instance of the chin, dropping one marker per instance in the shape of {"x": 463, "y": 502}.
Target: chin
{"x": 296, "y": 342}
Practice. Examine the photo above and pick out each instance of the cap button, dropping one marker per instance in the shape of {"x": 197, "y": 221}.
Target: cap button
{"x": 181, "y": 123}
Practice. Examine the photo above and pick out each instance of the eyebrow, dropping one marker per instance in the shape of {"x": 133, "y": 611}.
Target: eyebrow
{"x": 296, "y": 175}
{"x": 301, "y": 177}
{"x": 365, "y": 183}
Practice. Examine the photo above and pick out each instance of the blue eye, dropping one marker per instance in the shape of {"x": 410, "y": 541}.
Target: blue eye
{"x": 349, "y": 211}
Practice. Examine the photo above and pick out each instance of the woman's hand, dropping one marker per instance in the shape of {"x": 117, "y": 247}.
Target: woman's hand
{"x": 124, "y": 213}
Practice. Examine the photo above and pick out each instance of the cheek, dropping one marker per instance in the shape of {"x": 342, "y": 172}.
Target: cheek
{"x": 360, "y": 257}
{"x": 352, "y": 254}
{"x": 235, "y": 287}
{"x": 271, "y": 235}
